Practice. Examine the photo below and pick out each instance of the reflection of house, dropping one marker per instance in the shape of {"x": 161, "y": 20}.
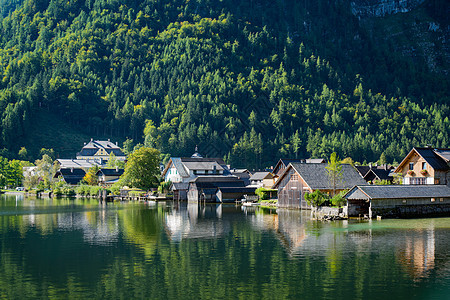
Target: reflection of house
{"x": 71, "y": 176}
{"x": 426, "y": 166}
{"x": 398, "y": 200}
{"x": 262, "y": 179}
{"x": 100, "y": 150}
{"x": 300, "y": 178}
{"x": 109, "y": 176}
{"x": 204, "y": 188}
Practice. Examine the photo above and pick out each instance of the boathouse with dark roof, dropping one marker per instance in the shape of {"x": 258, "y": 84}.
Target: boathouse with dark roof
{"x": 403, "y": 201}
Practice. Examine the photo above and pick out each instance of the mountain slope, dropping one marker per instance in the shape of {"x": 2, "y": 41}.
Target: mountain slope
{"x": 251, "y": 81}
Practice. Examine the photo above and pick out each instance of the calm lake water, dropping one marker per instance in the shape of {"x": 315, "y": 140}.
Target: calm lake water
{"x": 80, "y": 249}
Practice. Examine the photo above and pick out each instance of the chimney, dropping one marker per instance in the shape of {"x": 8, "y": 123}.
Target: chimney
{"x": 92, "y": 139}
{"x": 109, "y": 140}
{"x": 370, "y": 165}
{"x": 85, "y": 143}
{"x": 71, "y": 170}
{"x": 117, "y": 144}
{"x": 117, "y": 169}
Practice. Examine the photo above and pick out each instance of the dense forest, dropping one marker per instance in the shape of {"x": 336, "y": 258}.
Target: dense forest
{"x": 250, "y": 81}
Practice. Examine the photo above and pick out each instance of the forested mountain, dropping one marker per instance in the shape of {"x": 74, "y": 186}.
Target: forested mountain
{"x": 250, "y": 81}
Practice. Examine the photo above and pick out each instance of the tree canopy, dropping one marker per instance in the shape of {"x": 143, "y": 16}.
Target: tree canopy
{"x": 248, "y": 81}
{"x": 142, "y": 169}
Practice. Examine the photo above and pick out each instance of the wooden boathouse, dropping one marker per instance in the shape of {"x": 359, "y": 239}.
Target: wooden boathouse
{"x": 403, "y": 201}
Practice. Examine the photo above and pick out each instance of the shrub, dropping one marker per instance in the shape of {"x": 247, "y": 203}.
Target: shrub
{"x": 316, "y": 198}
{"x": 93, "y": 190}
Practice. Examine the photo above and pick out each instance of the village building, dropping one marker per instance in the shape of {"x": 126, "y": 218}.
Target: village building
{"x": 376, "y": 175}
{"x": 284, "y": 162}
{"x": 301, "y": 178}
{"x": 100, "y": 151}
{"x": 71, "y": 176}
{"x": 243, "y": 174}
{"x": 425, "y": 166}
{"x": 262, "y": 180}
{"x": 405, "y": 201}
{"x": 107, "y": 177}
{"x": 205, "y": 188}
{"x": 182, "y": 170}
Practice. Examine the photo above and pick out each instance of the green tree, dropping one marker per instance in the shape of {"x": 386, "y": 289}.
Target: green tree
{"x": 334, "y": 171}
{"x": 91, "y": 176}
{"x": 23, "y": 153}
{"x": 142, "y": 169}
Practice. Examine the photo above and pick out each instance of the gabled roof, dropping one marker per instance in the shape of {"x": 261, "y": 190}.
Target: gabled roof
{"x": 431, "y": 156}
{"x": 93, "y": 146}
{"x": 315, "y": 176}
{"x": 202, "y": 165}
{"x": 184, "y": 164}
{"x": 398, "y": 191}
{"x": 444, "y": 153}
{"x": 287, "y": 161}
{"x": 261, "y": 176}
{"x": 380, "y": 174}
{"x": 362, "y": 170}
{"x": 110, "y": 172}
{"x": 71, "y": 176}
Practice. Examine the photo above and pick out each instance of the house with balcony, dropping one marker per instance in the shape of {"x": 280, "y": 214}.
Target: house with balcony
{"x": 425, "y": 166}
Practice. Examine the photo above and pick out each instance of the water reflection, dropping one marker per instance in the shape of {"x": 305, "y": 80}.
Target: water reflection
{"x": 193, "y": 221}
{"x": 80, "y": 249}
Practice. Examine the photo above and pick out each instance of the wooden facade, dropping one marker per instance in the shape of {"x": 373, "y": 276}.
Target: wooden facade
{"x": 291, "y": 191}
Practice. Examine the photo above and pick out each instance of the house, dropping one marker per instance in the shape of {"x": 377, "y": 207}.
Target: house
{"x": 262, "y": 179}
{"x": 243, "y": 174}
{"x": 284, "y": 162}
{"x": 300, "y": 178}
{"x": 100, "y": 151}
{"x": 186, "y": 169}
{"x": 425, "y": 166}
{"x": 398, "y": 201}
{"x": 204, "y": 188}
{"x": 107, "y": 177}
{"x": 71, "y": 176}
{"x": 375, "y": 174}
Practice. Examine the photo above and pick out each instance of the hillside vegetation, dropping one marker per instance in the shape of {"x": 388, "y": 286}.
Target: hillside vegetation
{"x": 250, "y": 81}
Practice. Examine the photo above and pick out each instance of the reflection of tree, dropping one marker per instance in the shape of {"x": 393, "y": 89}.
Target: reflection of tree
{"x": 142, "y": 227}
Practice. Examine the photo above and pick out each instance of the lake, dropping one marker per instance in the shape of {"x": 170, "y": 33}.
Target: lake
{"x": 78, "y": 248}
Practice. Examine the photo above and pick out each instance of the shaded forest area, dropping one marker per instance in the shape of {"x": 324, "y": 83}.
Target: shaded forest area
{"x": 250, "y": 81}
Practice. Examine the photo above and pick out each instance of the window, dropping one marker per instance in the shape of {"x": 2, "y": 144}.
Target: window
{"x": 294, "y": 177}
{"x": 411, "y": 166}
{"x": 424, "y": 166}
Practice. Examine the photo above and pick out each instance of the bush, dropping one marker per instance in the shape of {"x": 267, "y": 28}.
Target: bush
{"x": 82, "y": 190}
{"x": 339, "y": 200}
{"x": 93, "y": 190}
{"x": 316, "y": 198}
